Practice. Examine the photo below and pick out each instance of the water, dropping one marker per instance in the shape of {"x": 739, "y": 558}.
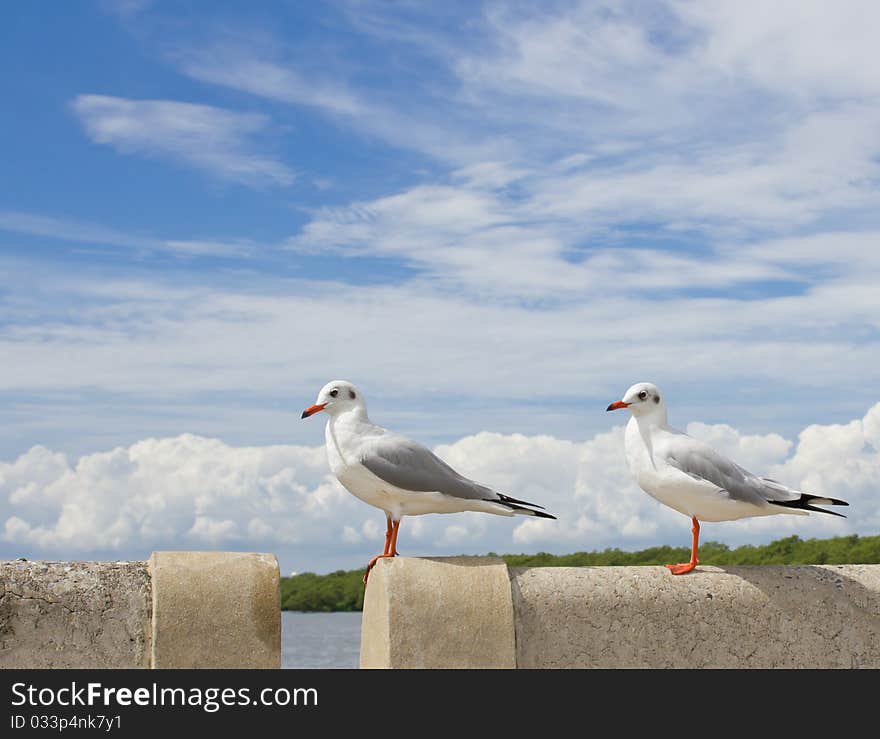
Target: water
{"x": 315, "y": 640}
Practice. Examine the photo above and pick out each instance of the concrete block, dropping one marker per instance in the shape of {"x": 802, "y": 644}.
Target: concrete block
{"x": 732, "y": 617}
{"x": 215, "y": 609}
{"x": 74, "y": 614}
{"x": 446, "y": 612}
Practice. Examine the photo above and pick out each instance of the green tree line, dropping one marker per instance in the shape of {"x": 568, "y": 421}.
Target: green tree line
{"x": 343, "y": 590}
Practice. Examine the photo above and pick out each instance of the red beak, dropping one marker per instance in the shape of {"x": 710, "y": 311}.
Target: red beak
{"x": 312, "y": 410}
{"x": 617, "y": 405}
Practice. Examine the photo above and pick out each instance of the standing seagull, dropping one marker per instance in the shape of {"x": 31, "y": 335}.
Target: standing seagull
{"x": 393, "y": 473}
{"x": 691, "y": 477}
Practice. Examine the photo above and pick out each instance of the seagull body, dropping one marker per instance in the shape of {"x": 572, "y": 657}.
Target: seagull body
{"x": 394, "y": 473}
{"x": 692, "y": 478}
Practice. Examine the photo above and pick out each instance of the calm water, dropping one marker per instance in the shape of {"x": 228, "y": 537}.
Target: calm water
{"x": 310, "y": 640}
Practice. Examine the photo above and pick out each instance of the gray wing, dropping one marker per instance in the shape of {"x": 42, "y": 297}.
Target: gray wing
{"x": 702, "y": 462}
{"x": 410, "y": 466}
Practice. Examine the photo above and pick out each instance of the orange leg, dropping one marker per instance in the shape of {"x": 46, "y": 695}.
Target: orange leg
{"x": 387, "y": 533}
{"x": 390, "y": 547}
{"x": 688, "y": 566}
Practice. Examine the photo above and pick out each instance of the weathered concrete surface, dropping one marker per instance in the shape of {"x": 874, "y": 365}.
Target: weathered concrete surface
{"x": 74, "y": 614}
{"x": 215, "y": 609}
{"x": 447, "y": 612}
{"x": 770, "y": 616}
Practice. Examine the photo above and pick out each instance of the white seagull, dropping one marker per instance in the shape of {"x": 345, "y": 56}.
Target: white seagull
{"x": 393, "y": 473}
{"x": 690, "y": 476}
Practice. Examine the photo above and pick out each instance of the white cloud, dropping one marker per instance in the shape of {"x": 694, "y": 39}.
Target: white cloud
{"x": 792, "y": 47}
{"x": 100, "y": 361}
{"x": 126, "y": 9}
{"x": 195, "y": 492}
{"x": 564, "y": 228}
{"x": 211, "y": 139}
{"x": 182, "y": 491}
{"x": 350, "y": 536}
{"x": 643, "y": 164}
{"x": 86, "y": 233}
{"x": 590, "y": 52}
{"x": 244, "y": 69}
{"x": 571, "y": 123}
{"x": 622, "y": 60}
{"x": 254, "y": 65}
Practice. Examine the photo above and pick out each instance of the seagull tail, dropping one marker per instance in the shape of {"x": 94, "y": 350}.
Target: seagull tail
{"x": 523, "y": 507}
{"x": 806, "y": 503}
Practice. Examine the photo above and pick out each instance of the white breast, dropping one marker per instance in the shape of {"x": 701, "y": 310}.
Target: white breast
{"x": 678, "y": 490}
{"x": 343, "y": 459}
{"x": 344, "y": 441}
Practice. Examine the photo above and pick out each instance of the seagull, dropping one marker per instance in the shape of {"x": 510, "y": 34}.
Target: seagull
{"x": 396, "y": 474}
{"x": 691, "y": 477}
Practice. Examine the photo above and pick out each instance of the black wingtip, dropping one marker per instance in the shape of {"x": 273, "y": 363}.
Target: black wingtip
{"x": 507, "y": 499}
{"x": 542, "y": 514}
{"x": 805, "y": 503}
{"x": 521, "y": 505}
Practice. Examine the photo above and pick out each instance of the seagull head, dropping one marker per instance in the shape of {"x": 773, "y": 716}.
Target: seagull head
{"x": 337, "y": 396}
{"x": 642, "y": 399}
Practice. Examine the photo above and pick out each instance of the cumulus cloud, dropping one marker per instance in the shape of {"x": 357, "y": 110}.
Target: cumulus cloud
{"x": 186, "y": 491}
{"x": 195, "y": 492}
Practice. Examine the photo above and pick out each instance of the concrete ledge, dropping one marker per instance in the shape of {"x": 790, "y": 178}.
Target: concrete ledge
{"x": 215, "y": 609}
{"x": 619, "y": 617}
{"x": 74, "y": 614}
{"x": 180, "y": 609}
{"x": 446, "y": 612}
{"x": 770, "y": 616}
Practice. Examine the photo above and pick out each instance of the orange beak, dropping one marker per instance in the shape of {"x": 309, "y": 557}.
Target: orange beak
{"x": 312, "y": 410}
{"x": 617, "y": 405}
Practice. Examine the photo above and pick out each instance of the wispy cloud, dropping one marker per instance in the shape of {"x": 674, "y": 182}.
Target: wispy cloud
{"x": 247, "y": 69}
{"x": 568, "y": 199}
{"x": 559, "y": 236}
{"x": 363, "y": 104}
{"x": 211, "y": 355}
{"x": 589, "y": 111}
{"x": 91, "y": 234}
{"x": 806, "y": 50}
{"x": 126, "y": 9}
{"x": 211, "y": 139}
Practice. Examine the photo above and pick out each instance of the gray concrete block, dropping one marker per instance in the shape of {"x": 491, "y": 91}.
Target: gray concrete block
{"x": 74, "y": 614}
{"x": 733, "y": 617}
{"x": 215, "y": 609}
{"x": 445, "y": 612}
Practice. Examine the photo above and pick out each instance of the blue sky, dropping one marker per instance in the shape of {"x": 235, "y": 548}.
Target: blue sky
{"x": 493, "y": 217}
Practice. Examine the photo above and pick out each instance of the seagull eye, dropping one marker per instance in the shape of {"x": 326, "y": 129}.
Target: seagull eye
{"x": 334, "y": 393}
{"x": 643, "y": 394}
{"x": 351, "y": 394}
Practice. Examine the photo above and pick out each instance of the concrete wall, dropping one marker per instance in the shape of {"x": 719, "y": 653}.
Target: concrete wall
{"x": 455, "y": 612}
{"x": 444, "y": 612}
{"x": 74, "y": 614}
{"x": 222, "y": 609}
{"x": 178, "y": 609}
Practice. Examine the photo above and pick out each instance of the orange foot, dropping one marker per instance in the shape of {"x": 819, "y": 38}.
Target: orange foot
{"x": 372, "y": 563}
{"x": 682, "y": 568}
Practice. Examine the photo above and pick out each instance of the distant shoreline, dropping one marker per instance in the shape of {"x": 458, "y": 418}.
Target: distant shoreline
{"x": 343, "y": 590}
